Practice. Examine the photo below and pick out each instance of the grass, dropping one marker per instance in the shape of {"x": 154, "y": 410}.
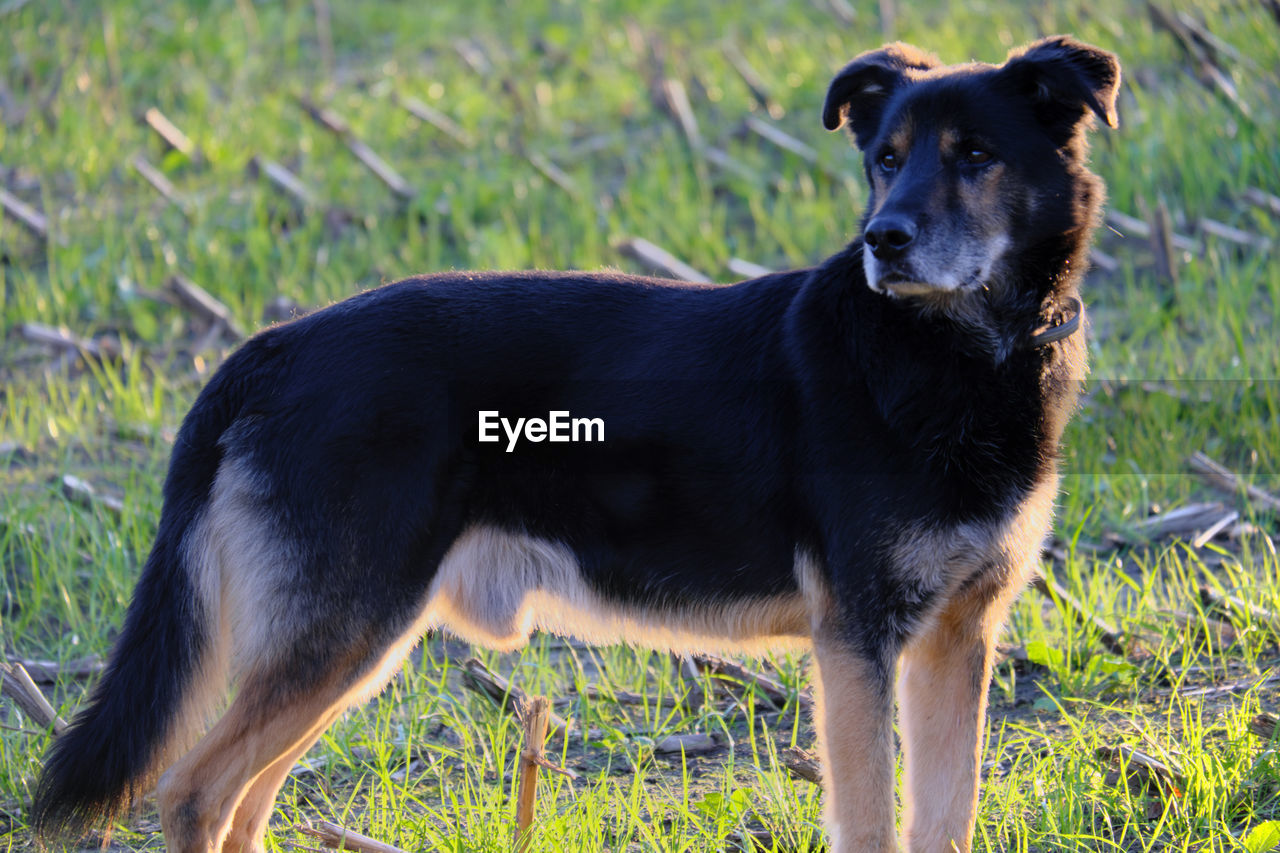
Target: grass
{"x": 1178, "y": 366}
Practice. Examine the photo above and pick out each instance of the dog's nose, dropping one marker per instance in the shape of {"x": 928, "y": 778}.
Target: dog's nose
{"x": 887, "y": 236}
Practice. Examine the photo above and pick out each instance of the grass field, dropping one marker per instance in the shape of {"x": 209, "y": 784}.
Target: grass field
{"x": 566, "y": 135}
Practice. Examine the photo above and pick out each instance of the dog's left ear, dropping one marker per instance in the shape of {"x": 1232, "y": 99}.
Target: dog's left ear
{"x": 1066, "y": 80}
{"x": 859, "y": 93}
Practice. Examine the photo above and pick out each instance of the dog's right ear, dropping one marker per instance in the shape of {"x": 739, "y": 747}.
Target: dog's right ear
{"x": 858, "y": 94}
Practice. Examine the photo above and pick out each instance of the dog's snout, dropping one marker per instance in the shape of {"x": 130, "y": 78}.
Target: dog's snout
{"x": 888, "y": 236}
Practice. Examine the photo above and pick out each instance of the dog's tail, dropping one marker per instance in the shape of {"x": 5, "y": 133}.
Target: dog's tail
{"x": 168, "y": 665}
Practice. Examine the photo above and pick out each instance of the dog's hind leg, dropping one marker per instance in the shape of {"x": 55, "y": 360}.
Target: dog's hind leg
{"x": 219, "y": 795}
{"x": 855, "y": 743}
{"x": 942, "y": 715}
{"x": 254, "y": 809}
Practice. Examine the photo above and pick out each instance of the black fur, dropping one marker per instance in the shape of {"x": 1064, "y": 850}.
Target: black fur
{"x": 797, "y": 412}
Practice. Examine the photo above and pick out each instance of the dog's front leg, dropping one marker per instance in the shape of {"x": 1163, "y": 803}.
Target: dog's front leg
{"x": 942, "y": 715}
{"x": 855, "y": 743}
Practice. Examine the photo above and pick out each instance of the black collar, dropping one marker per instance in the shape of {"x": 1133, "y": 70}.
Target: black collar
{"x": 1061, "y": 325}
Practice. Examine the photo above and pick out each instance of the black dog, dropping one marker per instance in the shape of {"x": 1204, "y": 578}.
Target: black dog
{"x": 858, "y": 456}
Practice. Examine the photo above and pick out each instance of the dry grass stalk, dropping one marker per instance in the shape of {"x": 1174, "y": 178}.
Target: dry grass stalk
{"x": 472, "y": 54}
{"x": 690, "y": 743}
{"x": 556, "y": 175}
{"x": 1162, "y": 243}
{"x": 334, "y": 123}
{"x": 1239, "y": 686}
{"x": 689, "y": 675}
{"x": 1101, "y": 260}
{"x": 1213, "y": 530}
{"x": 749, "y": 75}
{"x": 1173, "y": 392}
{"x": 283, "y": 180}
{"x": 676, "y": 100}
{"x": 777, "y": 136}
{"x": 436, "y": 119}
{"x": 51, "y": 672}
{"x": 34, "y": 222}
{"x": 1123, "y": 223}
{"x": 1112, "y": 639}
{"x": 18, "y": 686}
{"x": 1187, "y": 520}
{"x": 647, "y": 253}
{"x": 1217, "y": 631}
{"x": 721, "y": 159}
{"x": 1202, "y": 50}
{"x": 534, "y": 714}
{"x": 15, "y": 454}
{"x": 158, "y": 181}
{"x": 1264, "y": 726}
{"x": 1231, "y": 234}
{"x": 339, "y": 838}
{"x": 753, "y": 840}
{"x": 888, "y": 19}
{"x": 844, "y": 11}
{"x": 169, "y": 132}
{"x": 81, "y": 492}
{"x": 1143, "y": 774}
{"x": 622, "y": 697}
{"x": 1226, "y": 480}
{"x": 1264, "y": 200}
{"x": 478, "y": 677}
{"x": 769, "y": 688}
{"x": 1230, "y": 605}
{"x": 200, "y": 302}
{"x": 49, "y": 336}
{"x": 324, "y": 35}
{"x": 12, "y": 6}
{"x": 747, "y": 269}
{"x": 802, "y": 764}
{"x": 782, "y": 139}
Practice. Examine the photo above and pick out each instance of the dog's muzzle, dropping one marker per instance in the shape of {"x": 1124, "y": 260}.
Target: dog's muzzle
{"x": 888, "y": 237}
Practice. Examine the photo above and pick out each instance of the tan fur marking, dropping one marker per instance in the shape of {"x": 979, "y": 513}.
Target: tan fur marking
{"x": 237, "y": 545}
{"x": 224, "y": 550}
{"x": 946, "y": 667}
{"x": 900, "y": 139}
{"x": 253, "y": 812}
{"x": 942, "y": 694}
{"x": 239, "y": 760}
{"x": 855, "y": 747}
{"x": 496, "y": 587}
{"x": 985, "y": 202}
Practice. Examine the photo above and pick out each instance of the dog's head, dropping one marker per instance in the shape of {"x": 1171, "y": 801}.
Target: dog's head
{"x": 971, "y": 165}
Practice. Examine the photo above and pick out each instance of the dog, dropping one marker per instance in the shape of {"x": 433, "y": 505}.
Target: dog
{"x": 858, "y": 458}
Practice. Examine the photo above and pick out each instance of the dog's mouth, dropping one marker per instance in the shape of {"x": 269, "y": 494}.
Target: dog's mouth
{"x": 900, "y": 278}
{"x": 904, "y": 286}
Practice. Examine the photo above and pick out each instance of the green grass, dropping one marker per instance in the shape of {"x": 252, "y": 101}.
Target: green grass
{"x": 431, "y": 765}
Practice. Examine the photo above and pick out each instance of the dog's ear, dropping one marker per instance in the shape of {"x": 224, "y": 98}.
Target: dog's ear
{"x": 1066, "y": 80}
{"x": 860, "y": 91}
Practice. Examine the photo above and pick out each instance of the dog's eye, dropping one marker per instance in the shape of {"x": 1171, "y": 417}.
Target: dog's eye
{"x": 977, "y": 157}
{"x": 888, "y": 161}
